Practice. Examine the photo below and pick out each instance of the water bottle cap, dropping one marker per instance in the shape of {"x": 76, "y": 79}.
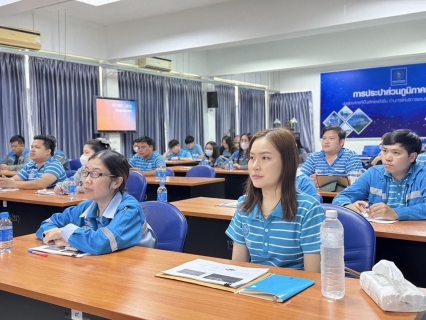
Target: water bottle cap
{"x": 4, "y": 214}
{"x": 331, "y": 213}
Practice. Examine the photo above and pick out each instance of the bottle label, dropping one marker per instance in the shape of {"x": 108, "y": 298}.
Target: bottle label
{"x": 162, "y": 197}
{"x": 6, "y": 235}
{"x": 72, "y": 189}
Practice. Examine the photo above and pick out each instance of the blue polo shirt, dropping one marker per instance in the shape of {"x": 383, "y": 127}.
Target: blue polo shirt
{"x": 196, "y": 150}
{"x": 52, "y": 166}
{"x": 277, "y": 242}
{"x": 181, "y": 154}
{"x": 346, "y": 161}
{"x": 147, "y": 165}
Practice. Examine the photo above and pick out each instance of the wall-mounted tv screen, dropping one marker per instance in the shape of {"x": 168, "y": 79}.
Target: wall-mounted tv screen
{"x": 115, "y": 115}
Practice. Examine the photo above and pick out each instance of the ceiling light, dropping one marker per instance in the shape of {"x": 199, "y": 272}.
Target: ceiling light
{"x": 97, "y": 2}
{"x": 6, "y": 2}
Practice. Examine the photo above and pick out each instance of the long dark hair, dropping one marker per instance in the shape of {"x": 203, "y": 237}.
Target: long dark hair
{"x": 240, "y": 150}
{"x": 117, "y": 164}
{"x": 283, "y": 141}
{"x": 215, "y": 153}
{"x": 229, "y": 143}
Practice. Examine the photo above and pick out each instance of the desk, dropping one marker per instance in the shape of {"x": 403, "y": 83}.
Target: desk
{"x": 123, "y": 285}
{"x": 27, "y": 209}
{"x": 186, "y": 162}
{"x": 327, "y": 196}
{"x": 8, "y": 173}
{"x": 235, "y": 180}
{"x": 179, "y": 188}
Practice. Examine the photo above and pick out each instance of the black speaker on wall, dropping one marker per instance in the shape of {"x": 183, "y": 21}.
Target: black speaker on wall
{"x": 212, "y": 99}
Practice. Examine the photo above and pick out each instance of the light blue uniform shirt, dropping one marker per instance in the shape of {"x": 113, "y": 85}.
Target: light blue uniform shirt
{"x": 31, "y": 171}
{"x": 196, "y": 150}
{"x": 277, "y": 242}
{"x": 346, "y": 161}
{"x": 181, "y": 154}
{"x": 147, "y": 165}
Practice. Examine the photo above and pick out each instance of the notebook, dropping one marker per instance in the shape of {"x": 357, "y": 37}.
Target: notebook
{"x": 277, "y": 288}
{"x": 332, "y": 183}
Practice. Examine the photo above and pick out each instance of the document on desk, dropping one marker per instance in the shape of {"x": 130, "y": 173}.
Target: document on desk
{"x": 46, "y": 192}
{"x": 216, "y": 273}
{"x": 7, "y": 190}
{"x": 381, "y": 221}
{"x": 63, "y": 251}
{"x": 229, "y": 204}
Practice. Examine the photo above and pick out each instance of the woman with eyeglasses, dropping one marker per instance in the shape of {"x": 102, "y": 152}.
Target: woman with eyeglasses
{"x": 90, "y": 148}
{"x": 109, "y": 220}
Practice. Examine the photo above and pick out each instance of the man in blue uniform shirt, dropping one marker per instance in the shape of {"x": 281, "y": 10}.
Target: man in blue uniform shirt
{"x": 192, "y": 147}
{"x": 333, "y": 159}
{"x": 395, "y": 190}
{"x": 42, "y": 172}
{"x": 18, "y": 157}
{"x": 176, "y": 152}
{"x": 147, "y": 159}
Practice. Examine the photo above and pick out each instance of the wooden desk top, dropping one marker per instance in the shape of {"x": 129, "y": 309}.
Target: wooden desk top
{"x": 328, "y": 193}
{"x": 204, "y": 207}
{"x": 8, "y": 173}
{"x": 123, "y": 285}
{"x": 30, "y": 196}
{"x": 180, "y": 162}
{"x": 184, "y": 181}
{"x": 217, "y": 170}
{"x": 403, "y": 230}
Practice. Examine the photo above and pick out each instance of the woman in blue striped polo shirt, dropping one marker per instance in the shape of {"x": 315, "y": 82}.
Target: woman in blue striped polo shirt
{"x": 275, "y": 224}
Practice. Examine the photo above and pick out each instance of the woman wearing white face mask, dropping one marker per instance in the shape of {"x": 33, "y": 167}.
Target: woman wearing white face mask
{"x": 211, "y": 155}
{"x": 240, "y": 158}
{"x": 90, "y": 148}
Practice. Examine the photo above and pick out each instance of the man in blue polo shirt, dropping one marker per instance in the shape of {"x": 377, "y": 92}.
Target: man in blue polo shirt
{"x": 333, "y": 159}
{"x": 395, "y": 190}
{"x": 18, "y": 157}
{"x": 176, "y": 152}
{"x": 42, "y": 172}
{"x": 193, "y": 148}
{"x": 147, "y": 159}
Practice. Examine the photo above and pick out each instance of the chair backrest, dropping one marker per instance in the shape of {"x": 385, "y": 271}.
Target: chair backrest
{"x": 168, "y": 223}
{"x": 136, "y": 185}
{"x": 360, "y": 239}
{"x": 371, "y": 151}
{"x": 201, "y": 172}
{"x": 70, "y": 173}
{"x": 170, "y": 172}
{"x": 74, "y": 164}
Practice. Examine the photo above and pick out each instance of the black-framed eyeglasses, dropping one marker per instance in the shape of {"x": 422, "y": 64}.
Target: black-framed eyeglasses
{"x": 96, "y": 174}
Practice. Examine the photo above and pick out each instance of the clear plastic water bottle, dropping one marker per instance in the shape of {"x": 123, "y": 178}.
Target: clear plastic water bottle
{"x": 163, "y": 173}
{"x": 162, "y": 192}
{"x": 196, "y": 157}
{"x": 205, "y": 162}
{"x": 332, "y": 257}
{"x": 72, "y": 189}
{"x": 158, "y": 174}
{"x": 6, "y": 233}
{"x": 231, "y": 165}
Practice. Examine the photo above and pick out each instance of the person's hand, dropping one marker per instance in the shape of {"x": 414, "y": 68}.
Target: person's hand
{"x": 376, "y": 159}
{"x": 237, "y": 166}
{"x": 51, "y": 236}
{"x": 359, "y": 207}
{"x": 4, "y": 167}
{"x": 58, "y": 189}
{"x": 381, "y": 210}
{"x": 7, "y": 182}
{"x": 61, "y": 243}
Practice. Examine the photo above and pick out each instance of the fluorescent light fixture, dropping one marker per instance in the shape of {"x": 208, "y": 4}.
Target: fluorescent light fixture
{"x": 6, "y": 2}
{"x": 97, "y": 2}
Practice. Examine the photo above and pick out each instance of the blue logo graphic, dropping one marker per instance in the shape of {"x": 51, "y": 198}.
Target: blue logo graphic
{"x": 399, "y": 77}
{"x": 246, "y": 230}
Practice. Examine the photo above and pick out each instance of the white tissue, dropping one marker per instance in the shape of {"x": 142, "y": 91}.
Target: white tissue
{"x": 387, "y": 286}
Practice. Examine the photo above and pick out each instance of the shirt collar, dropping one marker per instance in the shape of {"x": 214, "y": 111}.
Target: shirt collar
{"x": 110, "y": 211}
{"x": 409, "y": 173}
{"x": 277, "y": 213}
{"x": 338, "y": 155}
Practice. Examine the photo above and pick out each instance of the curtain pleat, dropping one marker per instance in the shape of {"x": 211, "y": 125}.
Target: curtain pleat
{"x": 285, "y": 106}
{"x": 225, "y": 113}
{"x": 251, "y": 110}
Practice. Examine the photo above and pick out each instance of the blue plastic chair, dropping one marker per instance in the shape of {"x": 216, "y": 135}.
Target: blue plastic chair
{"x": 70, "y": 173}
{"x": 201, "y": 172}
{"x": 170, "y": 172}
{"x": 360, "y": 239}
{"x": 74, "y": 164}
{"x": 136, "y": 185}
{"x": 370, "y": 151}
{"x": 168, "y": 223}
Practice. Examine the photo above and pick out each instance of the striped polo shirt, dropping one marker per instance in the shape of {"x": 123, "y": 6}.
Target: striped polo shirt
{"x": 147, "y": 165}
{"x": 346, "y": 161}
{"x": 397, "y": 191}
{"x": 52, "y": 166}
{"x": 277, "y": 242}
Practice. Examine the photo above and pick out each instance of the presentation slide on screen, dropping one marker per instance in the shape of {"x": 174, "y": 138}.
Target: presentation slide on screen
{"x": 116, "y": 115}
{"x": 368, "y": 103}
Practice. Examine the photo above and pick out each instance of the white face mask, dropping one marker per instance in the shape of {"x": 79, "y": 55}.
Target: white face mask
{"x": 84, "y": 160}
{"x": 208, "y": 153}
{"x": 244, "y": 146}
{"x": 136, "y": 149}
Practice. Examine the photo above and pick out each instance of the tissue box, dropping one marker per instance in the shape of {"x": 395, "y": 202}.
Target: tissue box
{"x": 391, "y": 294}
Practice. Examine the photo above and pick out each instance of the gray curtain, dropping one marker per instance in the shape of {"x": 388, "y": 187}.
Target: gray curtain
{"x": 62, "y": 97}
{"x": 225, "y": 113}
{"x": 251, "y": 110}
{"x": 13, "y": 102}
{"x": 148, "y": 90}
{"x": 285, "y": 106}
{"x": 185, "y": 110}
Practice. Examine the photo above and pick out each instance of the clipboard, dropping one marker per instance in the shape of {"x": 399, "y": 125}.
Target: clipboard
{"x": 332, "y": 183}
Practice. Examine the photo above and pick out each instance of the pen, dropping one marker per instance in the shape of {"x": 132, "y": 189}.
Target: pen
{"x": 38, "y": 253}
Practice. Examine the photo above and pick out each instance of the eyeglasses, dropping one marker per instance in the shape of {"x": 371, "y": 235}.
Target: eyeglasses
{"x": 96, "y": 174}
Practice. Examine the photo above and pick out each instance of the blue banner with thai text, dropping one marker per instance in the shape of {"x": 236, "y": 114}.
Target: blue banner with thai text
{"x": 368, "y": 103}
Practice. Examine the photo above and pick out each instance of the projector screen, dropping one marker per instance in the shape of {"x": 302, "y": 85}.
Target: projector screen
{"x": 115, "y": 115}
